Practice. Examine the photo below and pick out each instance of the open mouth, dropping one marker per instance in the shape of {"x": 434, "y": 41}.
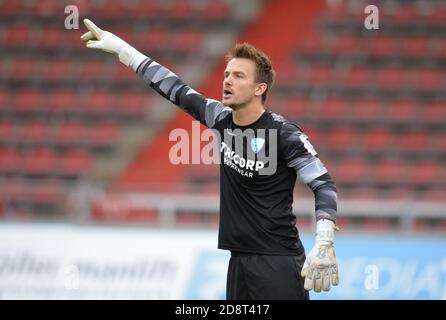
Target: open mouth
{"x": 227, "y": 93}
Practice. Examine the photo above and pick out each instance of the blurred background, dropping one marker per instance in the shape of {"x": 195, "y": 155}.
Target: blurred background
{"x": 86, "y": 185}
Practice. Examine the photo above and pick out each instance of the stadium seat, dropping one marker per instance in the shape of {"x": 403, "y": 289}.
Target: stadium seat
{"x": 58, "y": 70}
{"x": 321, "y": 75}
{"x": 367, "y": 109}
{"x": 382, "y": 46}
{"x": 93, "y": 70}
{"x": 434, "y": 111}
{"x": 403, "y": 110}
{"x": 188, "y": 41}
{"x": 17, "y": 35}
{"x": 333, "y": 108}
{"x": 7, "y": 133}
{"x": 36, "y": 133}
{"x": 50, "y": 37}
{"x": 296, "y": 107}
{"x": 103, "y": 135}
{"x": 341, "y": 139}
{"x": 28, "y": 102}
{"x": 357, "y": 77}
{"x": 426, "y": 173}
{"x": 23, "y": 69}
{"x": 74, "y": 163}
{"x": 40, "y": 162}
{"x": 10, "y": 161}
{"x": 63, "y": 102}
{"x": 430, "y": 80}
{"x": 71, "y": 134}
{"x": 11, "y": 8}
{"x": 347, "y": 45}
{"x": 47, "y": 192}
{"x": 377, "y": 140}
{"x": 351, "y": 171}
{"x": 415, "y": 47}
{"x": 389, "y": 172}
{"x": 415, "y": 140}
{"x": 98, "y": 103}
{"x": 132, "y": 104}
{"x": 391, "y": 78}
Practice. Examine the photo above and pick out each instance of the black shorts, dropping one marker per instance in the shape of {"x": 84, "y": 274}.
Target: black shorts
{"x": 265, "y": 277}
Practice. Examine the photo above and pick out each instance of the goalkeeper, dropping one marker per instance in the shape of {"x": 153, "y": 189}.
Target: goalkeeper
{"x": 256, "y": 220}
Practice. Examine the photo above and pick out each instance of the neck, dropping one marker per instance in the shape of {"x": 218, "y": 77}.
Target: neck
{"x": 247, "y": 114}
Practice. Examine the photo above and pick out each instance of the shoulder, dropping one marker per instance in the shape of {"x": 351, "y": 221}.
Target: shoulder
{"x": 284, "y": 125}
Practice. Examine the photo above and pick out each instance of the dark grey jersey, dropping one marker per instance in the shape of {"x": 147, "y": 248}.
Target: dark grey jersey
{"x": 258, "y": 170}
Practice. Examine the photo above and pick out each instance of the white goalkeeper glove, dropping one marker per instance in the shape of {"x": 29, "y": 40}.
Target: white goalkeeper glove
{"x": 320, "y": 268}
{"x": 107, "y": 41}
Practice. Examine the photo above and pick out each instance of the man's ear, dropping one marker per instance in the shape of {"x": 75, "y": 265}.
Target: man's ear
{"x": 260, "y": 88}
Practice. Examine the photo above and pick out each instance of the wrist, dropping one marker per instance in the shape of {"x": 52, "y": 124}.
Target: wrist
{"x": 131, "y": 57}
{"x": 325, "y": 232}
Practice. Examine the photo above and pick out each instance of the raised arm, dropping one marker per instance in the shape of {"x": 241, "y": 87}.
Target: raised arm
{"x": 164, "y": 81}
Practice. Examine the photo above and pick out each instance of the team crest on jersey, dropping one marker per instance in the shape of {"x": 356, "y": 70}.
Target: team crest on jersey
{"x": 257, "y": 144}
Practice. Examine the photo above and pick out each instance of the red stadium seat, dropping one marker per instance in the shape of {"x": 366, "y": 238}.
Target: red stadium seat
{"x": 415, "y": 47}
{"x": 63, "y": 102}
{"x": 93, "y": 70}
{"x": 23, "y": 69}
{"x": 362, "y": 193}
{"x": 98, "y": 103}
{"x": 321, "y": 75}
{"x": 17, "y": 36}
{"x": 436, "y": 194}
{"x": 11, "y": 8}
{"x": 351, "y": 170}
{"x": 342, "y": 139}
{"x": 357, "y": 77}
{"x": 435, "y": 111}
{"x": 367, "y": 109}
{"x": 188, "y": 41}
{"x": 430, "y": 79}
{"x": 47, "y": 192}
{"x": 392, "y": 78}
{"x": 56, "y": 70}
{"x": 28, "y": 101}
{"x": 36, "y": 133}
{"x": 40, "y": 162}
{"x": 75, "y": 163}
{"x": 7, "y": 132}
{"x": 347, "y": 45}
{"x": 378, "y": 139}
{"x": 403, "y": 110}
{"x": 132, "y": 104}
{"x": 296, "y": 106}
{"x": 46, "y": 8}
{"x": 389, "y": 171}
{"x": 415, "y": 140}
{"x": 10, "y": 161}
{"x": 215, "y": 11}
{"x": 426, "y": 173}
{"x": 155, "y": 39}
{"x": 51, "y": 37}
{"x": 333, "y": 108}
{"x": 382, "y": 46}
{"x": 71, "y": 134}
{"x": 103, "y": 135}
{"x": 179, "y": 10}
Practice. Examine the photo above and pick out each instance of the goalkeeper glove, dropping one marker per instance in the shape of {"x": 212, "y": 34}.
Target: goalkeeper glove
{"x": 320, "y": 267}
{"x": 107, "y": 41}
